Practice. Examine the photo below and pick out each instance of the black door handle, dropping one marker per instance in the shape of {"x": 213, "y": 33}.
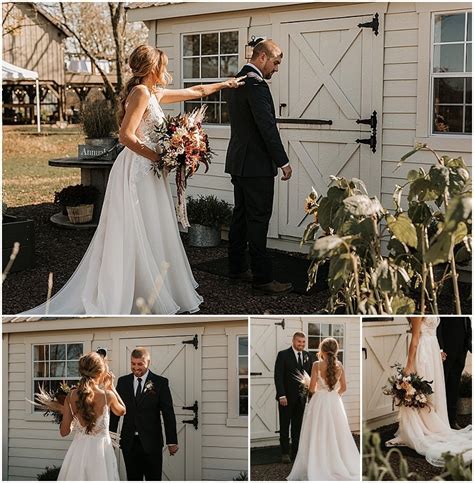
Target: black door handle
{"x": 256, "y": 373}
{"x": 364, "y": 350}
{"x": 282, "y": 105}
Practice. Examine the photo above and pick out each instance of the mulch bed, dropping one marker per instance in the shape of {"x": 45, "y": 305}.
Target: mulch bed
{"x": 60, "y": 250}
{"x": 265, "y": 463}
{"x": 416, "y": 462}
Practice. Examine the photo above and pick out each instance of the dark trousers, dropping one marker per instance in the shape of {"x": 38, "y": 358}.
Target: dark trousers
{"x": 140, "y": 464}
{"x": 290, "y": 416}
{"x": 453, "y": 367}
{"x": 253, "y": 203}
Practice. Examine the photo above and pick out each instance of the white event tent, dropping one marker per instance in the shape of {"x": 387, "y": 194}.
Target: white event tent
{"x": 13, "y": 72}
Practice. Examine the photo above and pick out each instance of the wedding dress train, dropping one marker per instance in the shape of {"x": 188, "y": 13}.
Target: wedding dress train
{"x": 91, "y": 457}
{"x": 326, "y": 451}
{"x": 136, "y": 251}
{"x": 427, "y": 430}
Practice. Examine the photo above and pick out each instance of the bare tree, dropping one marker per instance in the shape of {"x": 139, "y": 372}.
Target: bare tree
{"x": 100, "y": 31}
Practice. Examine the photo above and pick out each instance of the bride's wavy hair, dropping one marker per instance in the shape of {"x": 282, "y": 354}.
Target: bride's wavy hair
{"x": 144, "y": 60}
{"x": 329, "y": 347}
{"x": 91, "y": 365}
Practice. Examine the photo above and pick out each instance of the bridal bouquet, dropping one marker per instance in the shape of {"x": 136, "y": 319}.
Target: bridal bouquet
{"x": 52, "y": 402}
{"x": 184, "y": 146}
{"x": 411, "y": 390}
{"x": 304, "y": 379}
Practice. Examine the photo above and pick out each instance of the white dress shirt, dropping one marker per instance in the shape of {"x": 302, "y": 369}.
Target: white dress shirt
{"x": 135, "y": 382}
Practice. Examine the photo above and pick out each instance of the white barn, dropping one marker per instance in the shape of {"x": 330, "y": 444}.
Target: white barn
{"x": 413, "y": 69}
{"x": 209, "y": 368}
{"x": 384, "y": 342}
{"x": 269, "y": 335}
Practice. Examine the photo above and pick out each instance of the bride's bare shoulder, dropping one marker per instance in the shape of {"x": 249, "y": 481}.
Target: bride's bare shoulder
{"x": 139, "y": 93}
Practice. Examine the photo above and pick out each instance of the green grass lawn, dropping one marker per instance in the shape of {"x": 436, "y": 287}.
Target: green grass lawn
{"x": 27, "y": 178}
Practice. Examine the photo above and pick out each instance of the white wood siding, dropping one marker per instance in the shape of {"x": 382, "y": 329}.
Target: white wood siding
{"x": 34, "y": 442}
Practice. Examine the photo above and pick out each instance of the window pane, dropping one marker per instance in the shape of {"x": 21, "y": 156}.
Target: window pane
{"x": 313, "y": 343}
{"x": 74, "y": 351}
{"x": 41, "y": 352}
{"x": 229, "y": 42}
{"x": 243, "y": 366}
{"x": 57, "y": 352}
{"x": 190, "y": 106}
{"x": 448, "y": 119}
{"x": 468, "y": 57}
{"x": 337, "y": 330}
{"x": 469, "y": 27}
{"x": 243, "y": 346}
{"x": 209, "y": 67}
{"x": 243, "y": 397}
{"x": 191, "y": 68}
{"x": 209, "y": 44}
{"x": 449, "y": 91}
{"x": 468, "y": 90}
{"x": 40, "y": 369}
{"x": 229, "y": 65}
{"x": 58, "y": 369}
{"x": 449, "y": 28}
{"x": 73, "y": 369}
{"x": 448, "y": 58}
{"x": 191, "y": 44}
{"x": 313, "y": 329}
{"x": 212, "y": 113}
{"x": 469, "y": 119}
{"x": 224, "y": 113}
{"x": 325, "y": 330}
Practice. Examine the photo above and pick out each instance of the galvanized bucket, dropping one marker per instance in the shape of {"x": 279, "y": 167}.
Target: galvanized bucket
{"x": 204, "y": 236}
{"x": 464, "y": 405}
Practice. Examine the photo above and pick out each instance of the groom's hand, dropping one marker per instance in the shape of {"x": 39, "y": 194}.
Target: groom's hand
{"x": 286, "y": 173}
{"x": 283, "y": 401}
{"x": 173, "y": 448}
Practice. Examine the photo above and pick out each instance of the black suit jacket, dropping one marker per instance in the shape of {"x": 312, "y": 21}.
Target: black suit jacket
{"x": 286, "y": 368}
{"x": 144, "y": 415}
{"x": 255, "y": 147}
{"x": 455, "y": 335}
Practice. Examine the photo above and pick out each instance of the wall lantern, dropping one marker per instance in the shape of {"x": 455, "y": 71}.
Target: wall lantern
{"x": 250, "y": 45}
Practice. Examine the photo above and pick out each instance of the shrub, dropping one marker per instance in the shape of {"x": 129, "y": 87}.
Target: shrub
{"x": 208, "y": 211}
{"x": 51, "y": 473}
{"x": 434, "y": 230}
{"x": 465, "y": 385}
{"x": 98, "y": 119}
{"x": 76, "y": 195}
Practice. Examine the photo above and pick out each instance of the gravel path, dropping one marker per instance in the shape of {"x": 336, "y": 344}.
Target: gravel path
{"x": 60, "y": 250}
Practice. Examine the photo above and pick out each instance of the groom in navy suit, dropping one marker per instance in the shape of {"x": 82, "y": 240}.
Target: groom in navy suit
{"x": 254, "y": 155}
{"x": 147, "y": 398}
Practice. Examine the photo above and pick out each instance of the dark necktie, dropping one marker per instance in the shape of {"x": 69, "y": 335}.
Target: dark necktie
{"x": 139, "y": 388}
{"x": 300, "y": 364}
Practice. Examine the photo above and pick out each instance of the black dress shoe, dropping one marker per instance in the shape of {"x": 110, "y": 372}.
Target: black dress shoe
{"x": 285, "y": 458}
{"x": 242, "y": 277}
{"x": 455, "y": 425}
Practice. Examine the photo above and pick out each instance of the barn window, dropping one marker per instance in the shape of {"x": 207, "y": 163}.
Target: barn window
{"x": 243, "y": 368}
{"x": 207, "y": 58}
{"x": 54, "y": 364}
{"x": 317, "y": 331}
{"x": 451, "y": 73}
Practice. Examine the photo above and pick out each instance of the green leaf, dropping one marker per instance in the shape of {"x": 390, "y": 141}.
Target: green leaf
{"x": 340, "y": 269}
{"x": 397, "y": 197}
{"x": 324, "y": 246}
{"x": 403, "y": 229}
{"x": 460, "y": 233}
{"x": 403, "y": 305}
{"x": 420, "y": 213}
{"x": 385, "y": 277}
{"x": 362, "y": 205}
{"x": 310, "y": 232}
{"x": 459, "y": 209}
{"x": 422, "y": 189}
{"x": 418, "y": 146}
{"x": 439, "y": 250}
{"x": 413, "y": 174}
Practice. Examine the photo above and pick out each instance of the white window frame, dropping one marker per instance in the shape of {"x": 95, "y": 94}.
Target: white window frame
{"x": 85, "y": 340}
{"x": 449, "y": 75}
{"x": 234, "y": 419}
{"x": 242, "y": 376}
{"x": 200, "y": 79}
{"x": 327, "y": 322}
{"x": 454, "y": 142}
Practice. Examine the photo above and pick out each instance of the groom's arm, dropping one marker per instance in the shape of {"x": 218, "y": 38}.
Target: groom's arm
{"x": 261, "y": 105}
{"x": 279, "y": 376}
{"x": 167, "y": 410}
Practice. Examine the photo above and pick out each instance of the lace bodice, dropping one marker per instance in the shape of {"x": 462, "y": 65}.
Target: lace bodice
{"x": 152, "y": 117}
{"x": 323, "y": 386}
{"x": 101, "y": 427}
{"x": 429, "y": 326}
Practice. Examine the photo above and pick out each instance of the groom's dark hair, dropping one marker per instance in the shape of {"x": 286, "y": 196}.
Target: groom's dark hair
{"x": 140, "y": 352}
{"x": 299, "y": 334}
{"x": 269, "y": 47}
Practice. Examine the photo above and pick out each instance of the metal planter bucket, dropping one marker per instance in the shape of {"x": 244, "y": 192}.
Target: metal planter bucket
{"x": 464, "y": 405}
{"x": 204, "y": 236}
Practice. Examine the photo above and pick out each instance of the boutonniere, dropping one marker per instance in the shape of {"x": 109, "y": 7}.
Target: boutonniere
{"x": 149, "y": 387}
{"x": 305, "y": 359}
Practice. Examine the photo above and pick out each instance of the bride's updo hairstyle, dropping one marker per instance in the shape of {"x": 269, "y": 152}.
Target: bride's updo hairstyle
{"x": 328, "y": 350}
{"x": 91, "y": 366}
{"x": 144, "y": 60}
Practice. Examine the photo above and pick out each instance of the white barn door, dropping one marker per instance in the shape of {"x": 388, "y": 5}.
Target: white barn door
{"x": 266, "y": 340}
{"x": 383, "y": 344}
{"x": 332, "y": 70}
{"x": 180, "y": 363}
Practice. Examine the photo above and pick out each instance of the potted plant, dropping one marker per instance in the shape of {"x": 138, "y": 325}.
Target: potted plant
{"x": 206, "y": 215}
{"x": 99, "y": 124}
{"x": 465, "y": 394}
{"x": 50, "y": 473}
{"x": 77, "y": 202}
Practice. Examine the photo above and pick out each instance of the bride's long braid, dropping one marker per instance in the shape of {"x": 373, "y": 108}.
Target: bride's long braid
{"x": 90, "y": 366}
{"x": 143, "y": 61}
{"x": 330, "y": 348}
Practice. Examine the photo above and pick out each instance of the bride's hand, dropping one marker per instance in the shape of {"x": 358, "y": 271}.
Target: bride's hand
{"x": 408, "y": 370}
{"x": 234, "y": 82}
{"x": 109, "y": 380}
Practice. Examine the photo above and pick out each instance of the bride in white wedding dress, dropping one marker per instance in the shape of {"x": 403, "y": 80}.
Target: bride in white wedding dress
{"x": 427, "y": 430}
{"x": 326, "y": 451}
{"x": 91, "y": 456}
{"x": 136, "y": 252}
